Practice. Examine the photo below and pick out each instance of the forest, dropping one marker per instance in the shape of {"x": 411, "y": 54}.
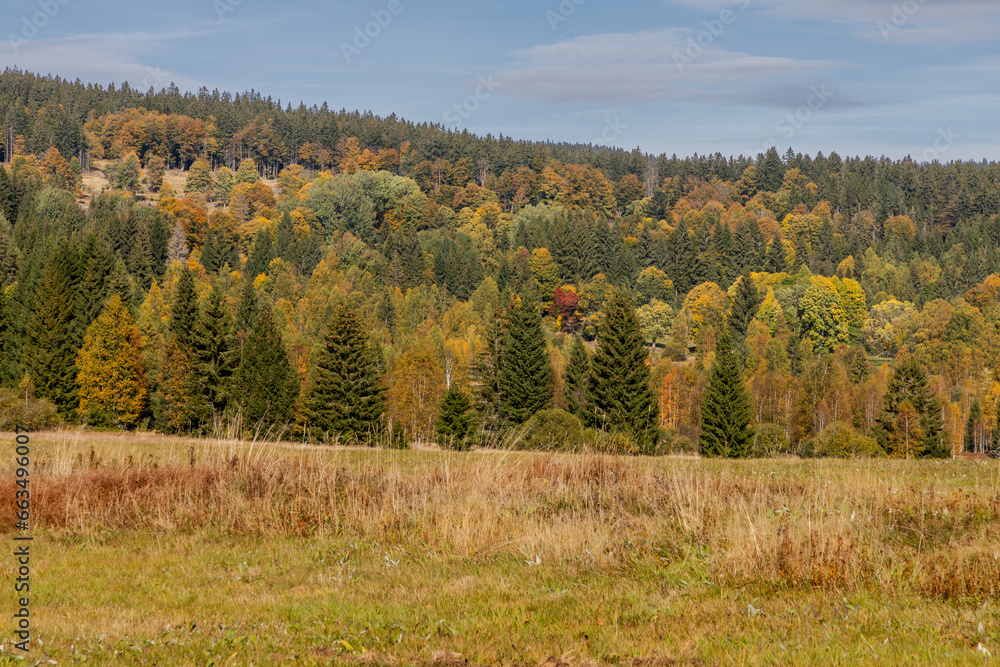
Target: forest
{"x": 224, "y": 264}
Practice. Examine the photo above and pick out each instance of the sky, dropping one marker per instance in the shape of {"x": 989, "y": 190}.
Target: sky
{"x": 859, "y": 77}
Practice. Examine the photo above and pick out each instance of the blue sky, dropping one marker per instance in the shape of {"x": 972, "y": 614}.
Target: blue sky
{"x": 895, "y": 78}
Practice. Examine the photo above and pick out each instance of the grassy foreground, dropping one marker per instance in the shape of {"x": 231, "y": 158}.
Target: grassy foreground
{"x": 176, "y": 552}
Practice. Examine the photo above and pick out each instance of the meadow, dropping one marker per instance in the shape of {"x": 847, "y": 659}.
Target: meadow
{"x": 172, "y": 551}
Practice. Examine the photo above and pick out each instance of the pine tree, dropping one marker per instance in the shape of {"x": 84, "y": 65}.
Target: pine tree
{"x": 619, "y": 380}
{"x": 213, "y": 354}
{"x": 994, "y": 451}
{"x": 55, "y": 331}
{"x": 577, "y": 378}
{"x": 909, "y": 384}
{"x": 347, "y": 397}
{"x": 975, "y": 415}
{"x": 284, "y": 245}
{"x": 455, "y": 421}
{"x": 725, "y": 410}
{"x": 184, "y": 310}
{"x": 746, "y": 303}
{"x": 486, "y": 372}
{"x": 265, "y": 384}
{"x": 525, "y": 373}
{"x": 261, "y": 254}
{"x": 112, "y": 375}
{"x": 8, "y": 196}
{"x": 776, "y": 261}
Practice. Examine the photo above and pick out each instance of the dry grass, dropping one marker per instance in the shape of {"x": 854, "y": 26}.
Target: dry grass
{"x": 927, "y": 532}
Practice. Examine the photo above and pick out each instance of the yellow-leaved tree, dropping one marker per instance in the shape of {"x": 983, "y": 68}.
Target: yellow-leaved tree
{"x": 112, "y": 375}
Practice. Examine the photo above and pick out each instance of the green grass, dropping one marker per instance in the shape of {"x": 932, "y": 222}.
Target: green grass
{"x": 518, "y": 559}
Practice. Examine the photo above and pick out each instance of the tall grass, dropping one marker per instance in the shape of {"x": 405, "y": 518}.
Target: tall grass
{"x": 881, "y": 526}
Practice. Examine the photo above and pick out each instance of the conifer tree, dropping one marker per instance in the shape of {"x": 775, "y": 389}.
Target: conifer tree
{"x": 746, "y": 303}
{"x": 455, "y": 421}
{"x": 184, "y": 310}
{"x": 265, "y": 385}
{"x": 725, "y": 410}
{"x": 213, "y": 354}
{"x": 909, "y": 384}
{"x": 224, "y": 183}
{"x": 975, "y": 415}
{"x": 577, "y": 378}
{"x": 284, "y": 245}
{"x": 112, "y": 375}
{"x": 247, "y": 172}
{"x": 155, "y": 168}
{"x": 776, "y": 261}
{"x": 347, "y": 397}
{"x": 619, "y": 381}
{"x": 8, "y": 196}
{"x": 55, "y": 331}
{"x": 261, "y": 254}
{"x": 994, "y": 451}
{"x": 486, "y": 372}
{"x": 525, "y": 373}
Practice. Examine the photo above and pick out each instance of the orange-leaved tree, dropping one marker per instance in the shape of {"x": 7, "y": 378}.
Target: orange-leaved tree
{"x": 112, "y": 375}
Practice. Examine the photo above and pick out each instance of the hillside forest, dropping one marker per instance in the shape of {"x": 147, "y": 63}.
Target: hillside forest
{"x": 230, "y": 265}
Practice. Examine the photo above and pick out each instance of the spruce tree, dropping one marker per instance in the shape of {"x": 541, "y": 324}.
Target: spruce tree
{"x": 525, "y": 373}
{"x": 619, "y": 382}
{"x": 776, "y": 261}
{"x": 184, "y": 310}
{"x": 346, "y": 398}
{"x": 261, "y": 254}
{"x": 909, "y": 384}
{"x": 55, "y": 332}
{"x": 975, "y": 414}
{"x": 994, "y": 451}
{"x": 746, "y": 303}
{"x": 455, "y": 421}
{"x": 486, "y": 372}
{"x": 725, "y": 410}
{"x": 199, "y": 178}
{"x": 577, "y": 378}
{"x": 213, "y": 353}
{"x": 265, "y": 384}
{"x": 8, "y": 195}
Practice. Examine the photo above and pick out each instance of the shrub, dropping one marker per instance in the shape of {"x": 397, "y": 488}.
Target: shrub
{"x": 769, "y": 440}
{"x": 842, "y": 441}
{"x": 554, "y": 430}
{"x": 32, "y": 414}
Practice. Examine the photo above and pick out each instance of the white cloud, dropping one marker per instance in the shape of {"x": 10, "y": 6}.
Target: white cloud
{"x": 904, "y": 21}
{"x": 659, "y": 65}
{"x": 115, "y": 57}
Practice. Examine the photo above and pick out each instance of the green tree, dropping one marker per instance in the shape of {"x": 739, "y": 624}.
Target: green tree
{"x": 576, "y": 379}
{"x": 155, "y": 169}
{"x": 184, "y": 310}
{"x": 972, "y": 425}
{"x": 525, "y": 372}
{"x": 127, "y": 174}
{"x": 224, "y": 183}
{"x": 455, "y": 420}
{"x": 112, "y": 375}
{"x": 55, "y": 331}
{"x": 199, "y": 178}
{"x": 347, "y": 397}
{"x": 247, "y": 172}
{"x": 745, "y": 304}
{"x": 622, "y": 399}
{"x": 908, "y": 384}
{"x": 265, "y": 384}
{"x": 213, "y": 353}
{"x": 725, "y": 410}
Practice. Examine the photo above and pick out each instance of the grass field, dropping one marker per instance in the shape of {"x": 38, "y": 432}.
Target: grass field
{"x": 182, "y": 552}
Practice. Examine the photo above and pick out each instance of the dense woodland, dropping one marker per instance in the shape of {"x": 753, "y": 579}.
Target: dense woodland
{"x": 248, "y": 267}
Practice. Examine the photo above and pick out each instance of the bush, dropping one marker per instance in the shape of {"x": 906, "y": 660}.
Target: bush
{"x": 32, "y": 414}
{"x": 554, "y": 430}
{"x": 842, "y": 441}
{"x": 769, "y": 440}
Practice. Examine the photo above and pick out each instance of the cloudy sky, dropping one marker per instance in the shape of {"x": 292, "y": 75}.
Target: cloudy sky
{"x": 860, "y": 77}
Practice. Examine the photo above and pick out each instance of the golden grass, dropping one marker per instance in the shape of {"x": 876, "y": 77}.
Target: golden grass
{"x": 683, "y": 536}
